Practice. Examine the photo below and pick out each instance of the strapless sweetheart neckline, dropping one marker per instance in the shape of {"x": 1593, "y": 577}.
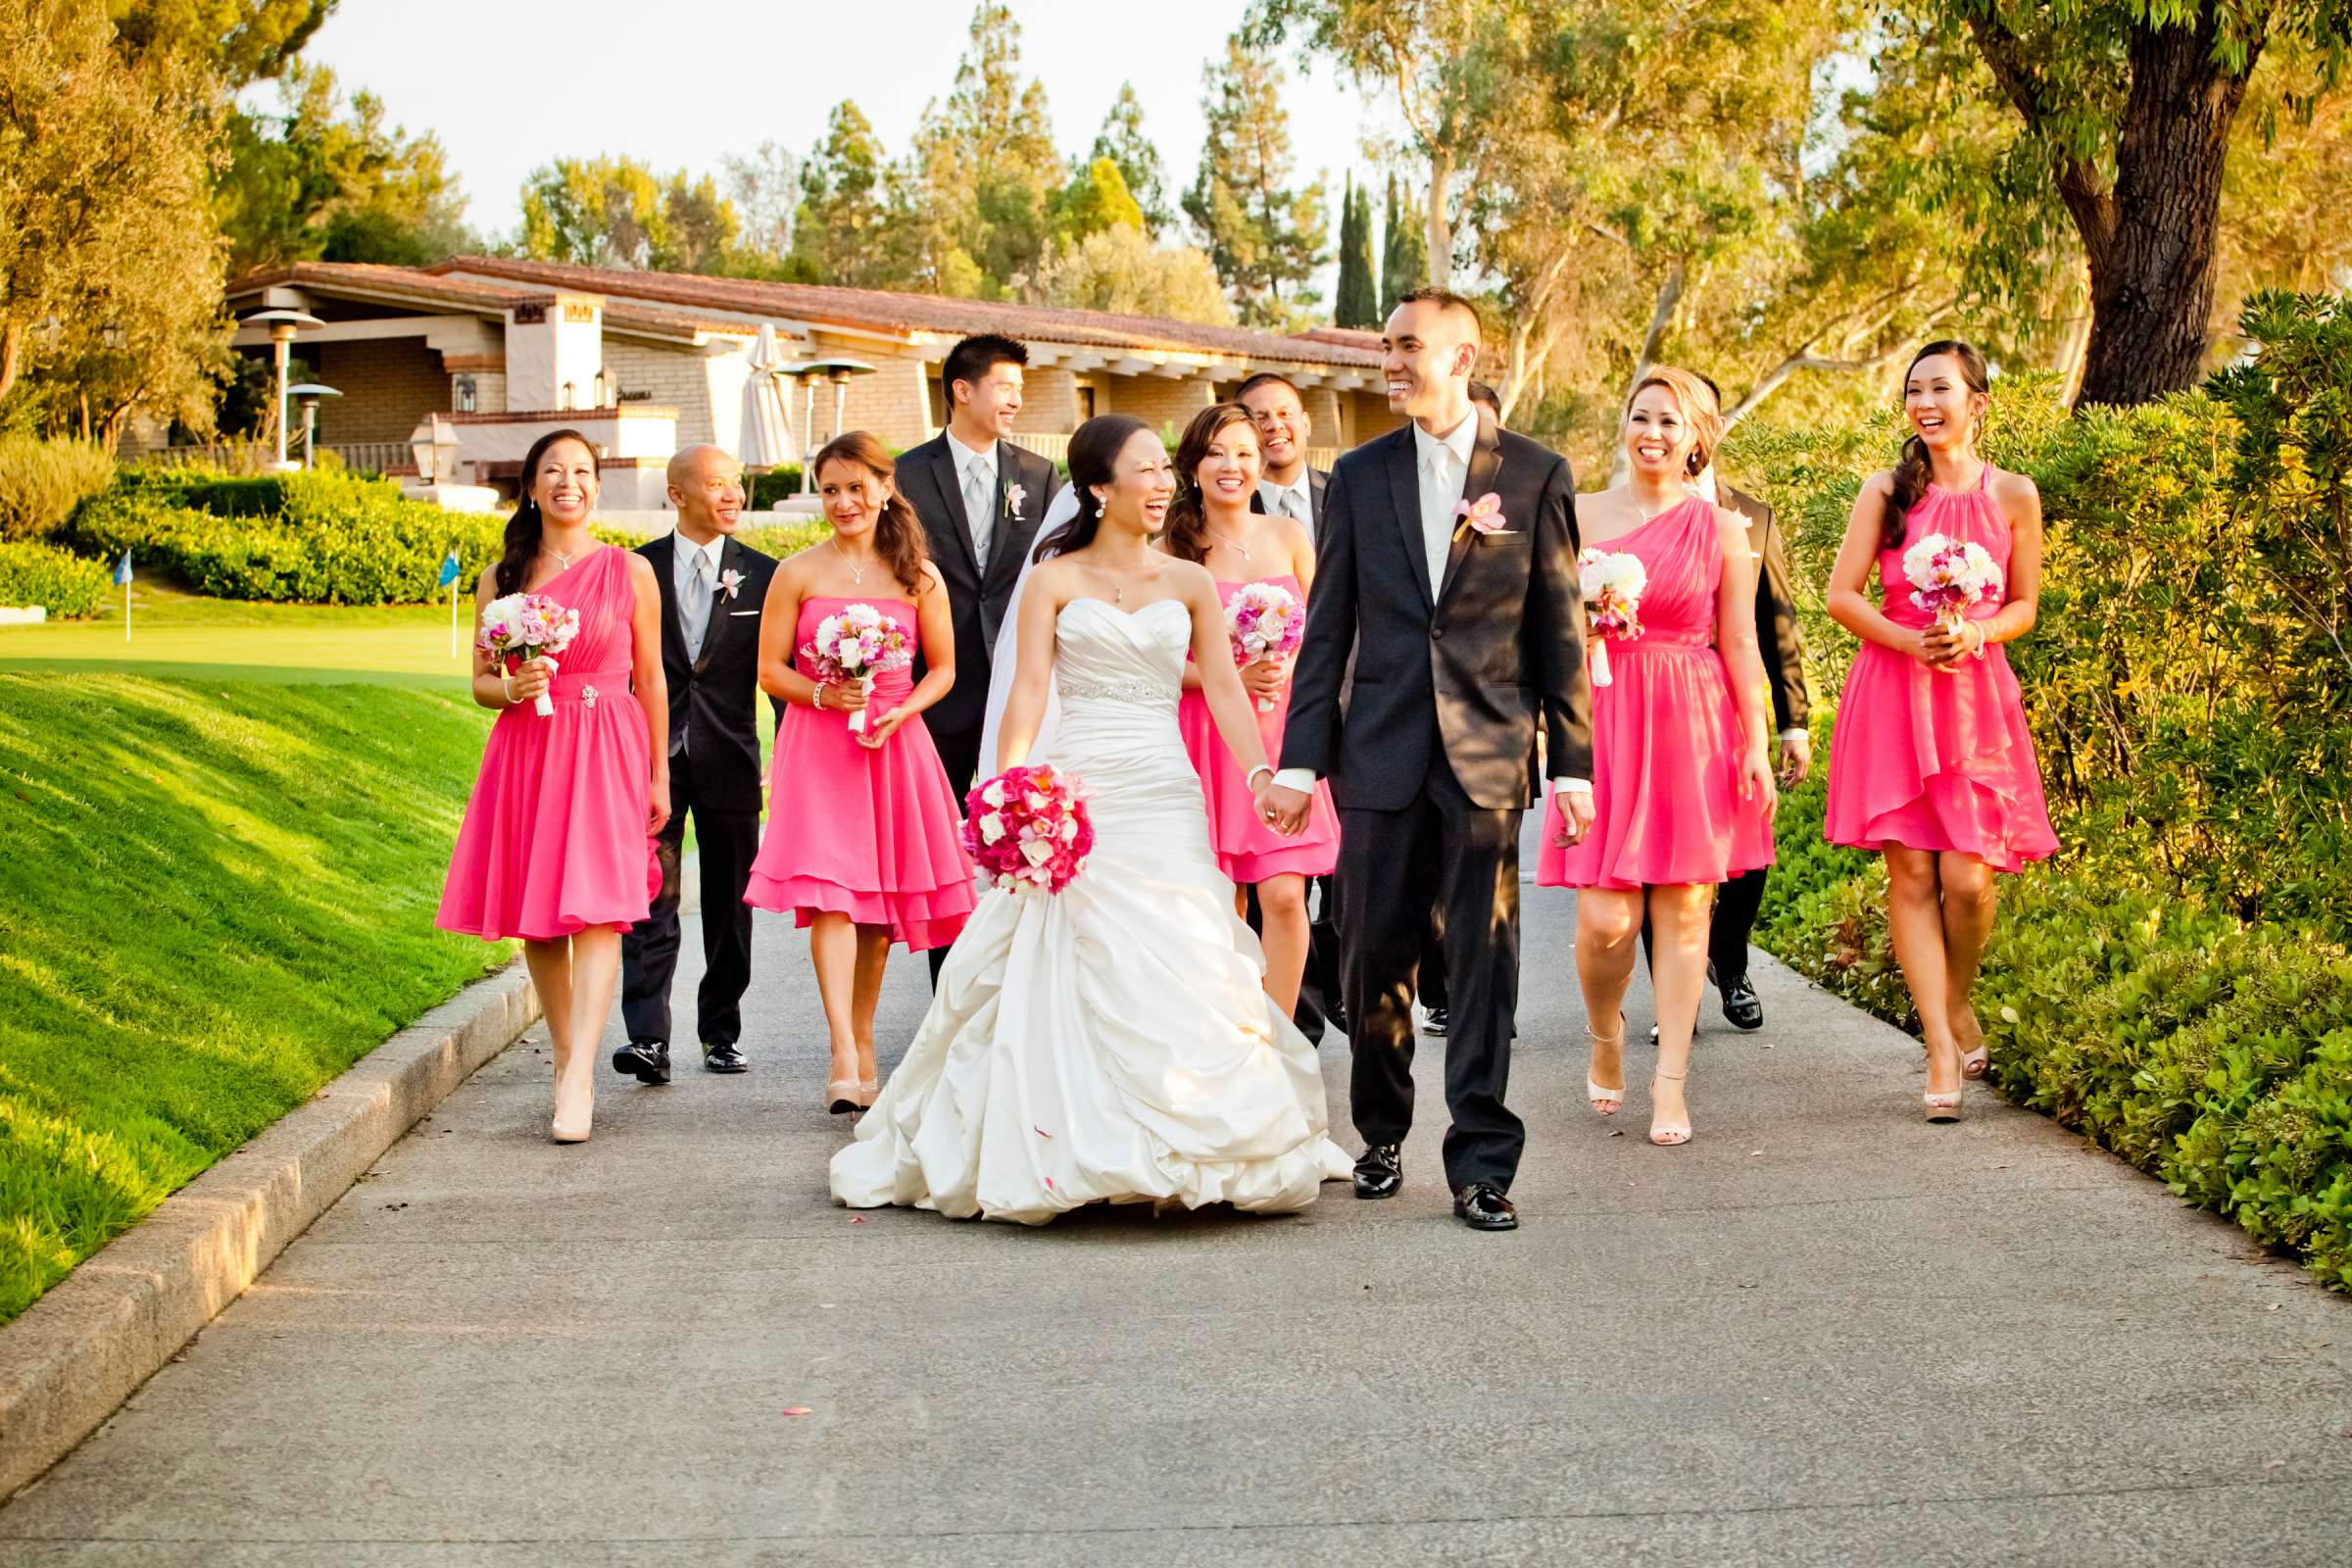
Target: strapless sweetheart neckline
{"x": 1117, "y": 609}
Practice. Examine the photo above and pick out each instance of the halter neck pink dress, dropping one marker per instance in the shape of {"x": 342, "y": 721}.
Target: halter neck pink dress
{"x": 1930, "y": 760}
{"x": 1667, "y": 737}
{"x": 1247, "y": 849}
{"x": 554, "y": 836}
{"x": 876, "y": 835}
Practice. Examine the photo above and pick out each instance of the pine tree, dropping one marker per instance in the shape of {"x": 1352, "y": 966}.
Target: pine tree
{"x": 1122, "y": 140}
{"x": 1265, "y": 238}
{"x": 1358, "y": 301}
{"x": 1404, "y": 255}
{"x": 984, "y": 169}
{"x": 849, "y": 227}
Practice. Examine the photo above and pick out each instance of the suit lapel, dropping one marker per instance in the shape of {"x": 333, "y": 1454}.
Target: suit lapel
{"x": 951, "y": 499}
{"x": 1318, "y": 481}
{"x": 663, "y": 556}
{"x": 1404, "y": 493}
{"x": 716, "y": 625}
{"x": 1485, "y": 459}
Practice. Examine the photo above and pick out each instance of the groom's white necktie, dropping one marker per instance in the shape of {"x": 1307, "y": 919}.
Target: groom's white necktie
{"x": 1440, "y": 490}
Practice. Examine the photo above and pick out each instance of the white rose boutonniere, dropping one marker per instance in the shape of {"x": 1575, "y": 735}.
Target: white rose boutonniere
{"x": 1016, "y": 498}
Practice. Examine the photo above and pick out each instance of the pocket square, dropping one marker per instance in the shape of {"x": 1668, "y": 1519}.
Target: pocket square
{"x": 743, "y": 611}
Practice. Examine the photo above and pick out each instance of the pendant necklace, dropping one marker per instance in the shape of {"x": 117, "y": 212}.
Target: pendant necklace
{"x": 1230, "y": 544}
{"x": 557, "y": 554}
{"x": 857, "y": 573}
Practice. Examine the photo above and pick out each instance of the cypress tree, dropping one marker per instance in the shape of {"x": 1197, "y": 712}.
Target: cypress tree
{"x": 1405, "y": 257}
{"x": 1357, "y": 303}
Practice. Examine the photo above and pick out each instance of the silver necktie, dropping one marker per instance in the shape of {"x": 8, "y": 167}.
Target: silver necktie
{"x": 694, "y": 609}
{"x": 979, "y": 508}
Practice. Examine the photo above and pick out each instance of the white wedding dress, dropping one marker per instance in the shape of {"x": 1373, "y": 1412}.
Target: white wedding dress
{"x": 1111, "y": 1042}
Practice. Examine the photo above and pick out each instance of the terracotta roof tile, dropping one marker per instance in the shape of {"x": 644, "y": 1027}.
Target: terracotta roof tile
{"x": 463, "y": 293}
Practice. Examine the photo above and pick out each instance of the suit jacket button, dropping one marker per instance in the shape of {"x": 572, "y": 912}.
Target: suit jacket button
{"x": 1436, "y": 632}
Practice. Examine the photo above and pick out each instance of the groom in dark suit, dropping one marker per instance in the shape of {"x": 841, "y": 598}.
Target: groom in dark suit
{"x": 981, "y": 498}
{"x": 1448, "y": 565}
{"x": 712, "y": 588}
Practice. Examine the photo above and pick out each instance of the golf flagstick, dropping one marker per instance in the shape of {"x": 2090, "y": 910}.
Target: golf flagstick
{"x": 123, "y": 576}
{"x": 449, "y": 581}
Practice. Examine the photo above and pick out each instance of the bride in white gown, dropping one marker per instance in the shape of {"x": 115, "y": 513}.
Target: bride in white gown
{"x": 1113, "y": 1042}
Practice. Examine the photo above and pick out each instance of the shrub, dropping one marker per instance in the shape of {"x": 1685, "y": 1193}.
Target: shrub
{"x": 776, "y": 484}
{"x": 67, "y": 584}
{"x": 41, "y": 482}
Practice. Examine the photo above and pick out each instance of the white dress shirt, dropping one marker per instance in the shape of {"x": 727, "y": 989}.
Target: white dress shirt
{"x": 1290, "y": 500}
{"x": 984, "y": 464}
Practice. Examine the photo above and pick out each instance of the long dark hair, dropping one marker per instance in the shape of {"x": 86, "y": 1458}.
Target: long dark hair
{"x": 526, "y": 525}
{"x": 1914, "y": 470}
{"x": 1186, "y": 538}
{"x": 1094, "y": 460}
{"x": 898, "y": 531}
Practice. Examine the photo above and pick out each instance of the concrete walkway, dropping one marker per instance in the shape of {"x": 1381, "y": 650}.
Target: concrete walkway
{"x": 1823, "y": 1332}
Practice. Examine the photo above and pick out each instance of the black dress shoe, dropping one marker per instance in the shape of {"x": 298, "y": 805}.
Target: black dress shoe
{"x": 647, "y": 1060}
{"x": 1379, "y": 1171}
{"x": 1483, "y": 1209}
{"x": 724, "y": 1058}
{"x": 1742, "y": 1009}
{"x": 1435, "y": 1024}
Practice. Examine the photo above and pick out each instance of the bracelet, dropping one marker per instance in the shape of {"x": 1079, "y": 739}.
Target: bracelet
{"x": 1250, "y": 782}
{"x": 1978, "y": 651}
{"x": 505, "y": 687}
{"x": 816, "y": 698}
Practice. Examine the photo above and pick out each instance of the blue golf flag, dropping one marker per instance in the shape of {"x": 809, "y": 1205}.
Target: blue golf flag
{"x": 449, "y": 569}
{"x": 122, "y": 571}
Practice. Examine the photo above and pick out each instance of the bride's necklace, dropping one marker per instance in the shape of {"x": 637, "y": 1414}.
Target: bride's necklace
{"x": 857, "y": 573}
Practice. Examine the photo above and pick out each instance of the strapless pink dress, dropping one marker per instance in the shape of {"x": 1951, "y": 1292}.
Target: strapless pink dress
{"x": 1667, "y": 738}
{"x": 553, "y": 839}
{"x": 876, "y": 835}
{"x": 1247, "y": 849}
{"x": 1930, "y": 760}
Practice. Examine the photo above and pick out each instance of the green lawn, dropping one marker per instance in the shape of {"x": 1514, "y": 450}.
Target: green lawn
{"x": 216, "y": 893}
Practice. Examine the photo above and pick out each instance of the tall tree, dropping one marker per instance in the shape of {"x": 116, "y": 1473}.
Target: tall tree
{"x": 765, "y": 189}
{"x": 1424, "y": 56}
{"x": 1357, "y": 301}
{"x": 1265, "y": 238}
{"x": 2129, "y": 106}
{"x": 850, "y": 227}
{"x": 323, "y": 178}
{"x": 1404, "y": 255}
{"x": 1096, "y": 199}
{"x": 1122, "y": 140}
{"x": 240, "y": 40}
{"x": 1120, "y": 270}
{"x": 615, "y": 212}
{"x": 984, "y": 172}
{"x": 110, "y": 262}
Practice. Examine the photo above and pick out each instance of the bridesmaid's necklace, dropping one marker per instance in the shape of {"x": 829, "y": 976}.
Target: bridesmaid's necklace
{"x": 857, "y": 573}
{"x": 548, "y": 549}
{"x": 1231, "y": 544}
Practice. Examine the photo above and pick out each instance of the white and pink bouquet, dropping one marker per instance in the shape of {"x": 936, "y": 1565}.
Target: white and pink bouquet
{"x": 1027, "y": 828}
{"x": 1264, "y": 622}
{"x": 1611, "y": 582}
{"x": 523, "y": 626}
{"x": 1947, "y": 577}
{"x": 857, "y": 644}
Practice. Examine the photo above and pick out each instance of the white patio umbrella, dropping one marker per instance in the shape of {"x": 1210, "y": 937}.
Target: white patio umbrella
{"x": 767, "y": 435}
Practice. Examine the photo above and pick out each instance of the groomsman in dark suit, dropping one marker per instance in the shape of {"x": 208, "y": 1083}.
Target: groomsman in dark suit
{"x": 1287, "y": 487}
{"x": 981, "y": 498}
{"x": 712, "y": 587}
{"x": 1776, "y": 635}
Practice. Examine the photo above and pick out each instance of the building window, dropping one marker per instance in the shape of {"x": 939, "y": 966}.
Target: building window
{"x": 462, "y": 395}
{"x": 939, "y": 402}
{"x": 1086, "y": 401}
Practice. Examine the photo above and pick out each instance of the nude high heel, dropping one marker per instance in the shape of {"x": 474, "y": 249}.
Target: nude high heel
{"x": 1667, "y": 1133}
{"x": 575, "y": 1094}
{"x": 1605, "y": 1100}
{"x": 841, "y": 1096}
{"x": 1942, "y": 1108}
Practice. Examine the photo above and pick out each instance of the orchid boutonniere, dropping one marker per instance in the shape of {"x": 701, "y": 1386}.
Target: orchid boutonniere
{"x": 731, "y": 580}
{"x": 1016, "y": 498}
{"x": 1483, "y": 515}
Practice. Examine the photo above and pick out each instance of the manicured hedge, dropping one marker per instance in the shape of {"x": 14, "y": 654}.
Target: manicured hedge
{"x": 68, "y": 585}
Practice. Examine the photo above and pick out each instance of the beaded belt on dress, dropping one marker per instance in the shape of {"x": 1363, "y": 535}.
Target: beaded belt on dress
{"x": 1147, "y": 692}
{"x": 588, "y": 685}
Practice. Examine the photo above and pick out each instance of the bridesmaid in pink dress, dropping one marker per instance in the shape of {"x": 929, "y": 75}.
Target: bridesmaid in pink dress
{"x": 1217, "y": 466}
{"x": 864, "y": 840}
{"x": 1931, "y": 763}
{"x": 557, "y": 846}
{"x": 1683, "y": 789}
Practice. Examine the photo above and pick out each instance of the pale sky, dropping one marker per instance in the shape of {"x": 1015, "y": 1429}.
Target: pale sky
{"x": 507, "y": 85}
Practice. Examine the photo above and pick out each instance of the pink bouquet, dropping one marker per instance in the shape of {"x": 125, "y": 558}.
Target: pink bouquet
{"x": 1264, "y": 622}
{"x": 857, "y": 644}
{"x": 523, "y": 626}
{"x": 1948, "y": 578}
{"x": 1026, "y": 828}
{"x": 1611, "y": 582}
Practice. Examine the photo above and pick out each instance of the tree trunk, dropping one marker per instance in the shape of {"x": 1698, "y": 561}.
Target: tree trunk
{"x": 1440, "y": 228}
{"x": 1661, "y": 316}
{"x": 2154, "y": 259}
{"x": 11, "y": 349}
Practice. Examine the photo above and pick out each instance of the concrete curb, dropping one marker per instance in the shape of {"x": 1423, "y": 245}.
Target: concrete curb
{"x": 80, "y": 1350}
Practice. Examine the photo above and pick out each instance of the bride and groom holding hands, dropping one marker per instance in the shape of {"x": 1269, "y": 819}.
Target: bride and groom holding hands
{"x": 1115, "y": 1042}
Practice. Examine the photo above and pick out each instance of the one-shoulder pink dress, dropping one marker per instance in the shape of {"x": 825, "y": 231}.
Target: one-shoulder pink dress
{"x": 1247, "y": 849}
{"x": 1933, "y": 759}
{"x": 554, "y": 836}
{"x": 1667, "y": 738}
{"x": 873, "y": 834}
